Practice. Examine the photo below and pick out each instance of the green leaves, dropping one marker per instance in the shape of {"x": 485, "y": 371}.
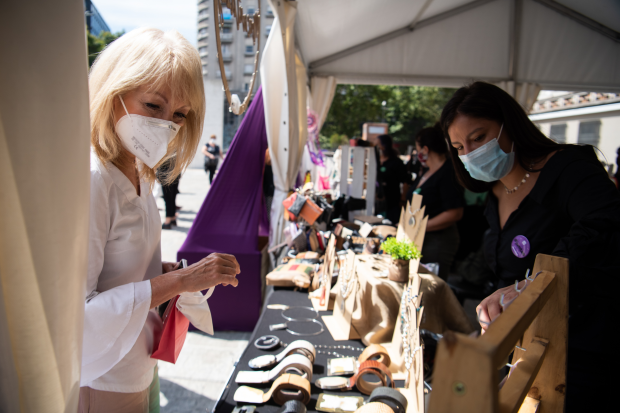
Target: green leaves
{"x": 407, "y": 109}
{"x": 400, "y": 250}
{"x": 96, "y": 44}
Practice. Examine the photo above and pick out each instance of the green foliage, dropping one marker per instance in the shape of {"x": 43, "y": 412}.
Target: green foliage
{"x": 400, "y": 250}
{"x": 96, "y": 44}
{"x": 407, "y": 109}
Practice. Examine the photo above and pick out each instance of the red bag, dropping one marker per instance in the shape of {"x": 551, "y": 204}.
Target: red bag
{"x": 173, "y": 335}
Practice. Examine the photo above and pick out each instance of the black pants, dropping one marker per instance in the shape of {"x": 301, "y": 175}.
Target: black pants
{"x": 210, "y": 169}
{"x": 170, "y": 197}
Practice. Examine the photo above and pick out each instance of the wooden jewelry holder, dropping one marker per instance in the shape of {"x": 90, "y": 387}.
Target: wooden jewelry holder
{"x": 412, "y": 224}
{"x": 466, "y": 368}
{"x": 339, "y": 324}
{"x": 411, "y": 230}
{"x": 323, "y": 302}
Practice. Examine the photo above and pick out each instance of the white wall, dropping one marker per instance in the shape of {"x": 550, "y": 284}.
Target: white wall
{"x": 214, "y": 118}
{"x": 609, "y": 133}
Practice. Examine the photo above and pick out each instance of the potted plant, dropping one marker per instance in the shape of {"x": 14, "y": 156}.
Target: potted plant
{"x": 402, "y": 252}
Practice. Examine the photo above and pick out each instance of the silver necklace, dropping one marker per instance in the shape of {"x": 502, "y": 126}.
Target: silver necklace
{"x": 335, "y": 353}
{"x": 347, "y": 280}
{"x": 510, "y": 191}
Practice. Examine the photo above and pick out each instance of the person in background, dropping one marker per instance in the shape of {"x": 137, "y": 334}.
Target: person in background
{"x": 390, "y": 175}
{"x": 617, "y": 175}
{"x": 547, "y": 198}
{"x": 170, "y": 190}
{"x": 442, "y": 196}
{"x": 212, "y": 155}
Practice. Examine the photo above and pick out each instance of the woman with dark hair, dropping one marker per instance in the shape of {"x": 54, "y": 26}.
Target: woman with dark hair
{"x": 544, "y": 198}
{"x": 390, "y": 175}
{"x": 442, "y": 197}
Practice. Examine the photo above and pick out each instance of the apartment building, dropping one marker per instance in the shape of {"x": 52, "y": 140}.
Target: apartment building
{"x": 238, "y": 52}
{"x": 583, "y": 118}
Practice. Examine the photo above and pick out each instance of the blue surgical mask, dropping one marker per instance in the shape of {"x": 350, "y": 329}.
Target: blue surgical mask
{"x": 489, "y": 163}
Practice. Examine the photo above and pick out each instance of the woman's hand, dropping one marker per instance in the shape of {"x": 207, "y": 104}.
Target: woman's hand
{"x": 207, "y": 273}
{"x": 167, "y": 267}
{"x": 212, "y": 270}
{"x": 490, "y": 308}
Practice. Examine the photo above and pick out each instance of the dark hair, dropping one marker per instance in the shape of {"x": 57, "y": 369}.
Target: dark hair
{"x": 486, "y": 101}
{"x": 433, "y": 139}
{"x": 388, "y": 145}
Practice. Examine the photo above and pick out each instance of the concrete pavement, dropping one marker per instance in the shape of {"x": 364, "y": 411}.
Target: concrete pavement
{"x": 195, "y": 382}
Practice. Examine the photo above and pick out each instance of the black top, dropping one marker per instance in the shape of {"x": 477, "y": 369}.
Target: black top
{"x": 213, "y": 150}
{"x": 391, "y": 174}
{"x": 441, "y": 191}
{"x": 573, "y": 211}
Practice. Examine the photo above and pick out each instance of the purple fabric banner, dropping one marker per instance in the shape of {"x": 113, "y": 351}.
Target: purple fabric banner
{"x": 229, "y": 219}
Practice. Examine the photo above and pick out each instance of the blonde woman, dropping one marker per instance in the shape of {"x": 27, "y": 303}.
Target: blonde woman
{"x": 147, "y": 105}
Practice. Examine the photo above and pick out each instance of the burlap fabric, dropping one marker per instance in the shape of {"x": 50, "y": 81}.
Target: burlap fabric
{"x": 377, "y": 303}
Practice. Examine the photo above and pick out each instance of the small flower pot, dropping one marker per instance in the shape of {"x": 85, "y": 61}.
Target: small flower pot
{"x": 399, "y": 271}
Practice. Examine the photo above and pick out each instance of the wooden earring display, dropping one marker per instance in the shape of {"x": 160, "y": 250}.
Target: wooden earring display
{"x": 465, "y": 378}
{"x": 339, "y": 324}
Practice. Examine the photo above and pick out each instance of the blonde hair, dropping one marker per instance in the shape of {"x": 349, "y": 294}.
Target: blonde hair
{"x": 147, "y": 57}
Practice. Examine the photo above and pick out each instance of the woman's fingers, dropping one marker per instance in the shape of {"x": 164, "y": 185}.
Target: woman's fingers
{"x": 228, "y": 259}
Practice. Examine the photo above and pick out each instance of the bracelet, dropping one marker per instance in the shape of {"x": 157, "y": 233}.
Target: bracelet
{"x": 376, "y": 350}
{"x": 284, "y": 326}
{"x": 391, "y": 397}
{"x": 375, "y": 407}
{"x": 267, "y": 343}
{"x": 293, "y": 406}
{"x": 316, "y": 313}
{"x": 303, "y": 347}
{"x": 286, "y": 387}
{"x": 368, "y": 367}
{"x": 297, "y": 363}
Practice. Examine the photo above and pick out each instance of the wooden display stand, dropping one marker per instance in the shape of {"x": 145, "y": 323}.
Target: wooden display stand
{"x": 339, "y": 324}
{"x": 412, "y": 230}
{"x": 466, "y": 369}
{"x": 357, "y": 180}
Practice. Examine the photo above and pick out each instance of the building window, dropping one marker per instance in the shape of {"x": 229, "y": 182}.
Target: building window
{"x": 225, "y": 49}
{"x": 267, "y": 30}
{"x": 203, "y": 12}
{"x": 250, "y": 11}
{"x": 203, "y": 31}
{"x": 246, "y": 87}
{"x": 558, "y": 133}
{"x": 226, "y": 30}
{"x": 269, "y": 11}
{"x": 202, "y": 50}
{"x": 248, "y": 69}
{"x": 589, "y": 133}
{"x": 249, "y": 49}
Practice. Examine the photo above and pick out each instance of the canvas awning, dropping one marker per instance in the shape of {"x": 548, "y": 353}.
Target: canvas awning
{"x": 554, "y": 44}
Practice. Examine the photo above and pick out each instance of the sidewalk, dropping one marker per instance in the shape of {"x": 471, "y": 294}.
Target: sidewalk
{"x": 195, "y": 382}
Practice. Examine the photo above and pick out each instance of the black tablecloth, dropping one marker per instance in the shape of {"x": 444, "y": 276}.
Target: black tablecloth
{"x": 226, "y": 404}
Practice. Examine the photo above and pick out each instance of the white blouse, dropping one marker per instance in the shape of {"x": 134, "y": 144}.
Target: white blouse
{"x": 124, "y": 254}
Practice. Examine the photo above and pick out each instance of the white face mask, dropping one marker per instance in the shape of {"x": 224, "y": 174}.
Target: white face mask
{"x": 146, "y": 138}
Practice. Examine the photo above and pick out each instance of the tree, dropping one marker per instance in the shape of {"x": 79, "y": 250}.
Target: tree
{"x": 406, "y": 109}
{"x": 96, "y": 44}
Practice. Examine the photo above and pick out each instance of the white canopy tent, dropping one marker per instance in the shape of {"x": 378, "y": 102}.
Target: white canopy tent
{"x": 562, "y": 44}
{"x": 522, "y": 46}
